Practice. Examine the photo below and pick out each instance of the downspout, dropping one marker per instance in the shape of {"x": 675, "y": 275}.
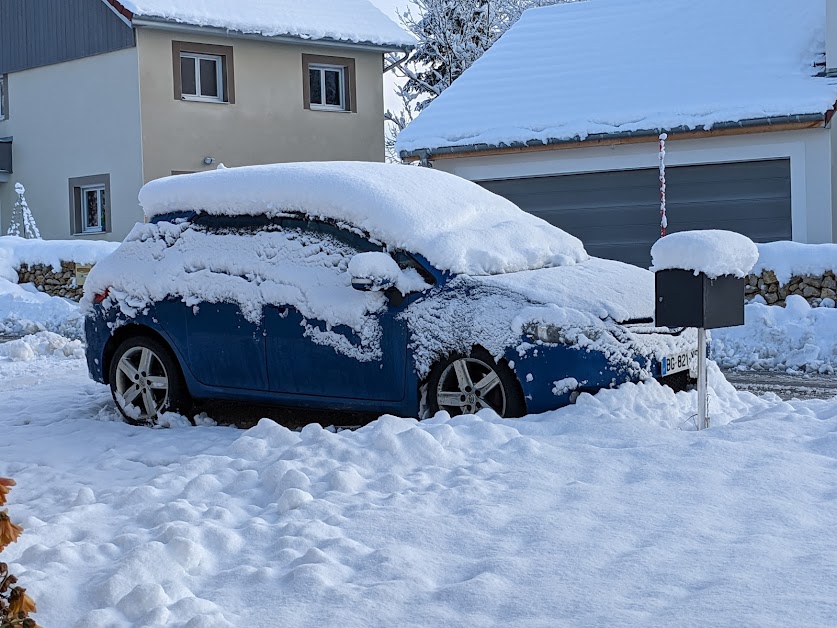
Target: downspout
{"x": 398, "y": 63}
{"x": 831, "y": 37}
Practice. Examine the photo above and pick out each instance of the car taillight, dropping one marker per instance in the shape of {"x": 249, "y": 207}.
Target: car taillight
{"x": 98, "y": 298}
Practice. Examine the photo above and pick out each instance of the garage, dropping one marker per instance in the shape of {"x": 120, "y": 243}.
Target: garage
{"x": 617, "y": 214}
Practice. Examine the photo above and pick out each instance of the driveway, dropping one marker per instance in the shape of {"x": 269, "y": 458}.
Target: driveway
{"x": 785, "y": 385}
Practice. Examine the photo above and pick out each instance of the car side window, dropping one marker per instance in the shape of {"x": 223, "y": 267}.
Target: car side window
{"x": 327, "y": 230}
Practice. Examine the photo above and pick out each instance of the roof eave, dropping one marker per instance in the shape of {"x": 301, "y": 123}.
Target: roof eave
{"x": 163, "y": 24}
{"x": 775, "y": 123}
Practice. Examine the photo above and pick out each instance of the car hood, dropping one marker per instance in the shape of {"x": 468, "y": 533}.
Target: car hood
{"x": 602, "y": 288}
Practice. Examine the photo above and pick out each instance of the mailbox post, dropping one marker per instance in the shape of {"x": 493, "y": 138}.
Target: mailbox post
{"x": 688, "y": 299}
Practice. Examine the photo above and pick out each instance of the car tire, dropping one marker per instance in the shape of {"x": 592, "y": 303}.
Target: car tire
{"x": 144, "y": 373}
{"x": 453, "y": 386}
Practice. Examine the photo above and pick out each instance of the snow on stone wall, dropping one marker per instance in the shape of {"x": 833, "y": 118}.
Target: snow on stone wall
{"x": 49, "y": 264}
{"x": 793, "y": 268}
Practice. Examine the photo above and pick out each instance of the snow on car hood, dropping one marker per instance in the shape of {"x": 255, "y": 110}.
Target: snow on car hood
{"x": 603, "y": 288}
{"x": 457, "y": 225}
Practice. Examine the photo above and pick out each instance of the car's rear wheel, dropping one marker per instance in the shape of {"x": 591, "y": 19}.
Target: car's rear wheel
{"x": 145, "y": 381}
{"x": 467, "y": 384}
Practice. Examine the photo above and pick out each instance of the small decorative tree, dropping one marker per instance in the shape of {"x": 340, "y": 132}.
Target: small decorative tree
{"x": 22, "y": 214}
{"x": 15, "y": 605}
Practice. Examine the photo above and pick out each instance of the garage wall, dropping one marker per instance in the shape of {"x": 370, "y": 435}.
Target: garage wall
{"x": 616, "y": 214}
{"x": 808, "y": 151}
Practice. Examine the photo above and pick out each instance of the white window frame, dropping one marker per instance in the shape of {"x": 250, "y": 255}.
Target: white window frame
{"x": 219, "y": 74}
{"x": 100, "y": 228}
{"x": 322, "y": 69}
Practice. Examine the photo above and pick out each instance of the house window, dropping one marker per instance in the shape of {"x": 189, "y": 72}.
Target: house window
{"x": 328, "y": 87}
{"x": 201, "y": 77}
{"x": 203, "y": 72}
{"x": 93, "y": 209}
{"x": 329, "y": 83}
{"x": 4, "y": 96}
{"x": 90, "y": 205}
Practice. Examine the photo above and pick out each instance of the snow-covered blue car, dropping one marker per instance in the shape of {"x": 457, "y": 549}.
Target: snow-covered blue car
{"x": 363, "y": 287}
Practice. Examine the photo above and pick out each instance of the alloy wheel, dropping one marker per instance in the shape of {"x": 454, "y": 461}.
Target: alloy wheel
{"x": 468, "y": 385}
{"x": 142, "y": 383}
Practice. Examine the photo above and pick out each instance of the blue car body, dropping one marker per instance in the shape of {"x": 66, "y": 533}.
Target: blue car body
{"x": 225, "y": 356}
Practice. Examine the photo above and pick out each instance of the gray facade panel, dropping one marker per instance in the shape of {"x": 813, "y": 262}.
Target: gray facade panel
{"x": 617, "y": 214}
{"x": 34, "y": 33}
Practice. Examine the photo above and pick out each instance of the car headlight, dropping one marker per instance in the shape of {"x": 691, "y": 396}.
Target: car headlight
{"x": 553, "y": 334}
{"x": 545, "y": 333}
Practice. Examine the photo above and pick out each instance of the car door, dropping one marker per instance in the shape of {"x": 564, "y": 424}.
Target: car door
{"x": 310, "y": 356}
{"x": 225, "y": 349}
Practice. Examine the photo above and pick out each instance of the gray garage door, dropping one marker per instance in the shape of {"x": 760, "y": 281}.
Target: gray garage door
{"x": 617, "y": 214}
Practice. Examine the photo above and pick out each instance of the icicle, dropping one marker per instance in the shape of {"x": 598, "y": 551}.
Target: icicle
{"x": 663, "y": 217}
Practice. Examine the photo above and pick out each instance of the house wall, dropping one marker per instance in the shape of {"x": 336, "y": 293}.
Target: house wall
{"x": 75, "y": 119}
{"x": 833, "y": 169}
{"x": 267, "y": 123}
{"x": 34, "y": 33}
{"x": 811, "y": 152}
{"x": 831, "y": 34}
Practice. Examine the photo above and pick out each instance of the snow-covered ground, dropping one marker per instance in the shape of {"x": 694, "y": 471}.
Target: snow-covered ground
{"x": 604, "y": 513}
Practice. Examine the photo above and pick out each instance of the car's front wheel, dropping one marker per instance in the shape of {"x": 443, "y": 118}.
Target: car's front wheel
{"x": 145, "y": 381}
{"x": 467, "y": 384}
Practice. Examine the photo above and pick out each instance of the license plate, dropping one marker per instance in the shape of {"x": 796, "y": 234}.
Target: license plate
{"x": 678, "y": 362}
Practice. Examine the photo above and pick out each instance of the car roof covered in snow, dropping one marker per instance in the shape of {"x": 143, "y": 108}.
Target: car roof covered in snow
{"x": 354, "y": 21}
{"x": 457, "y": 225}
{"x": 607, "y": 67}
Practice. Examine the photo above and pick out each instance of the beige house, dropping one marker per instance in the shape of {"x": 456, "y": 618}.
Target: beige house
{"x": 111, "y": 95}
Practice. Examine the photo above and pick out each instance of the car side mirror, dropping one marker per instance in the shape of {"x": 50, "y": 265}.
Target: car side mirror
{"x": 374, "y": 272}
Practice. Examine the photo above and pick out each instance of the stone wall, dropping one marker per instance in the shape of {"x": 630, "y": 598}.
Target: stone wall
{"x": 57, "y": 284}
{"x": 813, "y": 289}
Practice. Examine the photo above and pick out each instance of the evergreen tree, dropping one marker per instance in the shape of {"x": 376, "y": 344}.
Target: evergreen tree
{"x": 452, "y": 35}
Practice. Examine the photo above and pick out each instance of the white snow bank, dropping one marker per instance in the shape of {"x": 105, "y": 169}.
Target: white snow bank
{"x": 793, "y": 338}
{"x": 455, "y": 224}
{"x": 24, "y": 310}
{"x": 15, "y": 251}
{"x": 356, "y": 21}
{"x": 712, "y": 252}
{"x": 615, "y": 66}
{"x": 220, "y": 527}
{"x": 43, "y": 343}
{"x": 794, "y": 259}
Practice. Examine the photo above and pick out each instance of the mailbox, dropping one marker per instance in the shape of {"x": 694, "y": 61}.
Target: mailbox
{"x": 684, "y": 299}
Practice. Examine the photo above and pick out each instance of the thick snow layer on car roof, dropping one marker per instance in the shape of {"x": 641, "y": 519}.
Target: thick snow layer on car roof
{"x": 455, "y": 224}
{"x": 713, "y": 252}
{"x": 356, "y": 21}
{"x": 609, "y": 66}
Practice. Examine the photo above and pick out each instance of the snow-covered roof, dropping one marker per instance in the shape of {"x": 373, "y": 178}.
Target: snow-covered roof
{"x": 353, "y": 21}
{"x": 572, "y": 70}
{"x": 455, "y": 224}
